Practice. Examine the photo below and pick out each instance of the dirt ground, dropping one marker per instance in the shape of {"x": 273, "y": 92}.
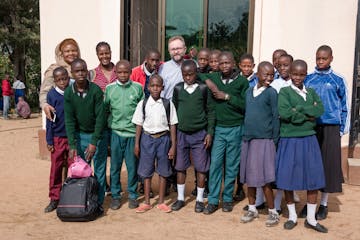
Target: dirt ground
{"x": 24, "y": 194}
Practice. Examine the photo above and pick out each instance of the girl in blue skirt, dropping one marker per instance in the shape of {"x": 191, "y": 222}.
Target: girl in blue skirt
{"x": 298, "y": 161}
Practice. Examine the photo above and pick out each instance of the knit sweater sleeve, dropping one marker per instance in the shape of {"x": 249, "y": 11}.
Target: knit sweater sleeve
{"x": 316, "y": 108}
{"x": 238, "y": 100}
{"x": 70, "y": 118}
{"x": 288, "y": 112}
{"x": 100, "y": 115}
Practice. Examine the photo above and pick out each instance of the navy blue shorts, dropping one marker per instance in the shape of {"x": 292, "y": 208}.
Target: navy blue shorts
{"x": 194, "y": 143}
{"x": 151, "y": 150}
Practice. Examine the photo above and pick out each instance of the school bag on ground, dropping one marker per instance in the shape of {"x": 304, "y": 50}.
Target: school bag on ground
{"x": 79, "y": 200}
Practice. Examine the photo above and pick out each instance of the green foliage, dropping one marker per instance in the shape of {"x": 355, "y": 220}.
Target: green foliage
{"x": 20, "y": 43}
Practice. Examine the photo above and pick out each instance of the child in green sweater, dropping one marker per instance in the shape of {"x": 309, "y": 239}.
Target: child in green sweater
{"x": 85, "y": 121}
{"x": 228, "y": 88}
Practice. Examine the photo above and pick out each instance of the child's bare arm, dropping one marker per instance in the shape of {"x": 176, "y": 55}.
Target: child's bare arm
{"x": 137, "y": 141}
{"x": 172, "y": 151}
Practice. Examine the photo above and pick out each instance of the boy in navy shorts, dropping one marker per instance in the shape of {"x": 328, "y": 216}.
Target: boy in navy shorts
{"x": 196, "y": 113}
{"x": 155, "y": 120}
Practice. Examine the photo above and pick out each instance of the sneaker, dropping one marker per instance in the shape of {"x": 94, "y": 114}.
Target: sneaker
{"x": 164, "y": 208}
{"x": 143, "y": 208}
{"x": 52, "y": 206}
{"x": 133, "y": 203}
{"x": 260, "y": 207}
{"x": 107, "y": 191}
{"x": 199, "y": 207}
{"x": 272, "y": 220}
{"x": 115, "y": 203}
{"x": 210, "y": 209}
{"x": 249, "y": 216}
{"x": 227, "y": 206}
{"x": 177, "y": 205}
{"x": 322, "y": 212}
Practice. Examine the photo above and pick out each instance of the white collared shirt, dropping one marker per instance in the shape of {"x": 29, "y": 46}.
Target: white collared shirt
{"x": 280, "y": 83}
{"x": 301, "y": 92}
{"x": 155, "y": 116}
{"x": 190, "y": 88}
{"x": 59, "y": 90}
{"x": 257, "y": 91}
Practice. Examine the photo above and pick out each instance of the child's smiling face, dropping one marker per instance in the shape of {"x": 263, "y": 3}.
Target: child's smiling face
{"x": 265, "y": 74}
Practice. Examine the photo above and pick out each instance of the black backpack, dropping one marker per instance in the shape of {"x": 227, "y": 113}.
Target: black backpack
{"x": 166, "y": 103}
{"x": 79, "y": 200}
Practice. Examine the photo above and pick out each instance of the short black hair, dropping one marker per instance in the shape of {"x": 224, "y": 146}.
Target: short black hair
{"x": 247, "y": 56}
{"x": 60, "y": 69}
{"x": 288, "y": 56}
{"x": 188, "y": 63}
{"x": 263, "y": 64}
{"x": 158, "y": 77}
{"x": 123, "y": 62}
{"x": 102, "y": 44}
{"x": 78, "y": 60}
{"x": 299, "y": 62}
{"x": 152, "y": 50}
{"x": 325, "y": 48}
{"x": 227, "y": 54}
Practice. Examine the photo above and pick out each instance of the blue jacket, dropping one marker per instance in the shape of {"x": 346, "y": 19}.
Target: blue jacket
{"x": 334, "y": 94}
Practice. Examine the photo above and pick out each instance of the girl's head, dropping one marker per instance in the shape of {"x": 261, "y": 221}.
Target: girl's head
{"x": 284, "y": 66}
{"x": 298, "y": 73}
{"x": 275, "y": 57}
{"x": 265, "y": 73}
{"x": 103, "y": 53}
{"x": 69, "y": 50}
{"x": 324, "y": 57}
{"x": 246, "y": 64}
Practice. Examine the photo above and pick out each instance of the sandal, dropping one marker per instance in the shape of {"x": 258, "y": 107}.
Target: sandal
{"x": 164, "y": 208}
{"x": 143, "y": 208}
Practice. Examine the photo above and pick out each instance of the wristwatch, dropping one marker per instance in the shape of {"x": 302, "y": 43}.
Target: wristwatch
{"x": 227, "y": 96}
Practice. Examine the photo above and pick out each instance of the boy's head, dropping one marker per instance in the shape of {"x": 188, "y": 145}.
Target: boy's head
{"x": 61, "y": 77}
{"x": 152, "y": 60}
{"x": 246, "y": 64}
{"x": 214, "y": 60}
{"x": 177, "y": 48}
{"x": 275, "y": 57}
{"x": 79, "y": 70}
{"x": 188, "y": 70}
{"x": 21, "y": 98}
{"x": 103, "y": 52}
{"x": 324, "y": 57}
{"x": 298, "y": 72}
{"x": 203, "y": 58}
{"x": 226, "y": 63}
{"x": 123, "y": 71}
{"x": 285, "y": 62}
{"x": 156, "y": 85}
{"x": 265, "y": 73}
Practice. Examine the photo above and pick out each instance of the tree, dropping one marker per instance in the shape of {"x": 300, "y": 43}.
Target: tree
{"x": 20, "y": 38}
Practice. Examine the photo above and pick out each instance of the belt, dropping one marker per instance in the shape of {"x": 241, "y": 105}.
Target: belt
{"x": 157, "y": 135}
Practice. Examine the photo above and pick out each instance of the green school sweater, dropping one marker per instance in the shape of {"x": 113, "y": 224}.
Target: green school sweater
{"x": 229, "y": 113}
{"x": 193, "y": 113}
{"x": 120, "y": 103}
{"x": 295, "y": 112}
{"x": 84, "y": 115}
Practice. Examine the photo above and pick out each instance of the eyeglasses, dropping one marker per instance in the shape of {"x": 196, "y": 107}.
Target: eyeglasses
{"x": 176, "y": 49}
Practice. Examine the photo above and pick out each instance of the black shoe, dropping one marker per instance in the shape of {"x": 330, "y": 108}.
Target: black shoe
{"x": 199, "y": 207}
{"x": 177, "y": 205}
{"x": 52, "y": 206}
{"x": 322, "y": 212}
{"x": 133, "y": 203}
{"x": 239, "y": 195}
{"x": 115, "y": 203}
{"x": 289, "y": 224}
{"x": 260, "y": 207}
{"x": 227, "y": 206}
{"x": 194, "y": 192}
{"x": 318, "y": 227}
{"x": 279, "y": 212}
{"x": 210, "y": 209}
{"x": 303, "y": 212}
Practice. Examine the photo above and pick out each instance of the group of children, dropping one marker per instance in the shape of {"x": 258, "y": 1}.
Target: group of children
{"x": 223, "y": 120}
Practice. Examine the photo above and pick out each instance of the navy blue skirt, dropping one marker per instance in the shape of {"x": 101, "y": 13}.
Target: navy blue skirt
{"x": 299, "y": 165}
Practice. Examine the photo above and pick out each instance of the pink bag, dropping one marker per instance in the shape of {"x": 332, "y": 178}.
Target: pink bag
{"x": 79, "y": 168}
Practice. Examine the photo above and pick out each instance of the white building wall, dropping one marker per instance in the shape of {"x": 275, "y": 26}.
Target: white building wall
{"x": 300, "y": 27}
{"x": 88, "y": 22}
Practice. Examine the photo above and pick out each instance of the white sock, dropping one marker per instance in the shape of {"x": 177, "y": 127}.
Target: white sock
{"x": 259, "y": 196}
{"x": 292, "y": 212}
{"x": 252, "y": 208}
{"x": 273, "y": 211}
{"x": 324, "y": 198}
{"x": 200, "y": 194}
{"x": 278, "y": 198}
{"x": 310, "y": 217}
{"x": 181, "y": 192}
